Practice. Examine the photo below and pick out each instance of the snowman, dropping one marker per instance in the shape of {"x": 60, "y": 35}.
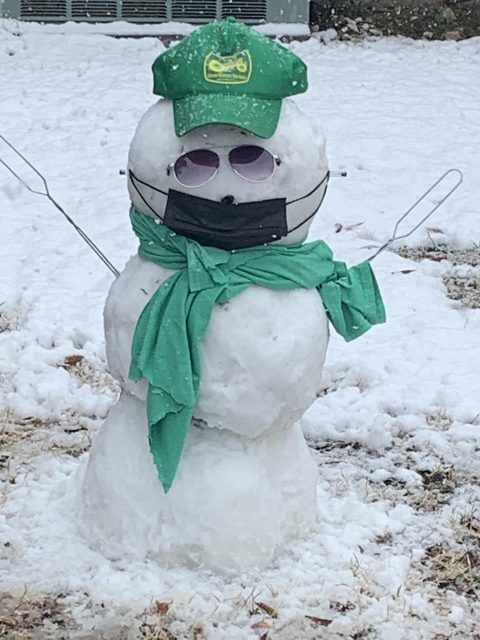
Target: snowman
{"x": 217, "y": 329}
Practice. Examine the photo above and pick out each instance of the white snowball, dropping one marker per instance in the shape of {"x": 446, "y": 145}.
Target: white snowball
{"x": 233, "y": 504}
{"x": 297, "y": 142}
{"x": 246, "y": 482}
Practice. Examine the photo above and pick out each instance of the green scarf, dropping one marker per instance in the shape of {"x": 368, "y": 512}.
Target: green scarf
{"x": 165, "y": 347}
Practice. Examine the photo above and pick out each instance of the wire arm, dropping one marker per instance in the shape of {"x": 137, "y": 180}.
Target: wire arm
{"x": 48, "y": 195}
{"x": 394, "y": 237}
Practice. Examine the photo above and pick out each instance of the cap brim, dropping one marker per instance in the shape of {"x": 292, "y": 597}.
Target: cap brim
{"x": 257, "y": 115}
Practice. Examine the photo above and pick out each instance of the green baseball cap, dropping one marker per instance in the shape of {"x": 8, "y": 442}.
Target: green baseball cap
{"x": 227, "y": 73}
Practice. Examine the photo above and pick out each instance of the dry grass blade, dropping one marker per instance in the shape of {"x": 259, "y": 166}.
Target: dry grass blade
{"x": 471, "y": 525}
{"x": 29, "y": 615}
{"x": 456, "y": 569}
{"x": 464, "y": 288}
{"x": 322, "y": 622}
{"x": 153, "y": 631}
{"x": 89, "y": 372}
{"x": 440, "y": 420}
{"x": 439, "y": 252}
{"x": 439, "y": 486}
{"x": 266, "y": 608}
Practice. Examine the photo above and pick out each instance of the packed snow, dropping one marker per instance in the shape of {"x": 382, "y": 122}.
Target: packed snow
{"x": 246, "y": 445}
{"x": 129, "y": 29}
{"x": 395, "y": 429}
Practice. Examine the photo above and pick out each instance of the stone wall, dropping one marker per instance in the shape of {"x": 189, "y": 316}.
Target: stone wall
{"x": 432, "y": 19}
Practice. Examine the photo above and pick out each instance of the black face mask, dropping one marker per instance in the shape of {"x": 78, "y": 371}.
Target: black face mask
{"x": 223, "y": 224}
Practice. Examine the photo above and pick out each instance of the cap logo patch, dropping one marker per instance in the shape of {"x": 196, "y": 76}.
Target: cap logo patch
{"x": 235, "y": 69}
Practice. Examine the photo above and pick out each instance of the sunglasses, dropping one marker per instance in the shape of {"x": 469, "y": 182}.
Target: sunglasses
{"x": 196, "y": 168}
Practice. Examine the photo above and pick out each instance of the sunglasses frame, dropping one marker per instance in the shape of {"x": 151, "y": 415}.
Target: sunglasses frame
{"x": 276, "y": 163}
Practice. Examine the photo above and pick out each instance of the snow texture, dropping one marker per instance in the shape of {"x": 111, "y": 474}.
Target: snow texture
{"x": 395, "y": 407}
{"x": 127, "y": 29}
{"x": 249, "y": 449}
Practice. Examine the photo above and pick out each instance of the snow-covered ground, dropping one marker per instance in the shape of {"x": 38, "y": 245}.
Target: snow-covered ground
{"x": 396, "y": 428}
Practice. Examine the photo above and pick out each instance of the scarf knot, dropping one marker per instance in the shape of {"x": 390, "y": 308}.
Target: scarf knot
{"x": 167, "y": 337}
{"x": 204, "y": 269}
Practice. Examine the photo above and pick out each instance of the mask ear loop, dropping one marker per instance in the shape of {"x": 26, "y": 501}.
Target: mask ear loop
{"x": 327, "y": 176}
{"x": 134, "y": 178}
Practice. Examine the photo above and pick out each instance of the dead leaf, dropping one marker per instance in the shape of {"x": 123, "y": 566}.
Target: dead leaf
{"x": 434, "y": 230}
{"x": 323, "y": 622}
{"x": 261, "y": 625}
{"x": 71, "y": 361}
{"x": 338, "y": 227}
{"x": 407, "y": 270}
{"x": 162, "y": 607}
{"x": 267, "y": 609}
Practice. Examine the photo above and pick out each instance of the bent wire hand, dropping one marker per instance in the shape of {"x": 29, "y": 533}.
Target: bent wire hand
{"x": 46, "y": 194}
{"x": 394, "y": 237}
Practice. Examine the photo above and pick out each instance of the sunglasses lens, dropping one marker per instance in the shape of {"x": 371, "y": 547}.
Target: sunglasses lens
{"x": 196, "y": 168}
{"x": 252, "y": 163}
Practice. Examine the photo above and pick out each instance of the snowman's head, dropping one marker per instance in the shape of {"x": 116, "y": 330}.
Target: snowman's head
{"x": 227, "y": 158}
{"x": 227, "y": 165}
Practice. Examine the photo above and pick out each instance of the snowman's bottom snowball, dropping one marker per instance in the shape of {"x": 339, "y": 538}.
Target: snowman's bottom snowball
{"x": 234, "y": 503}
